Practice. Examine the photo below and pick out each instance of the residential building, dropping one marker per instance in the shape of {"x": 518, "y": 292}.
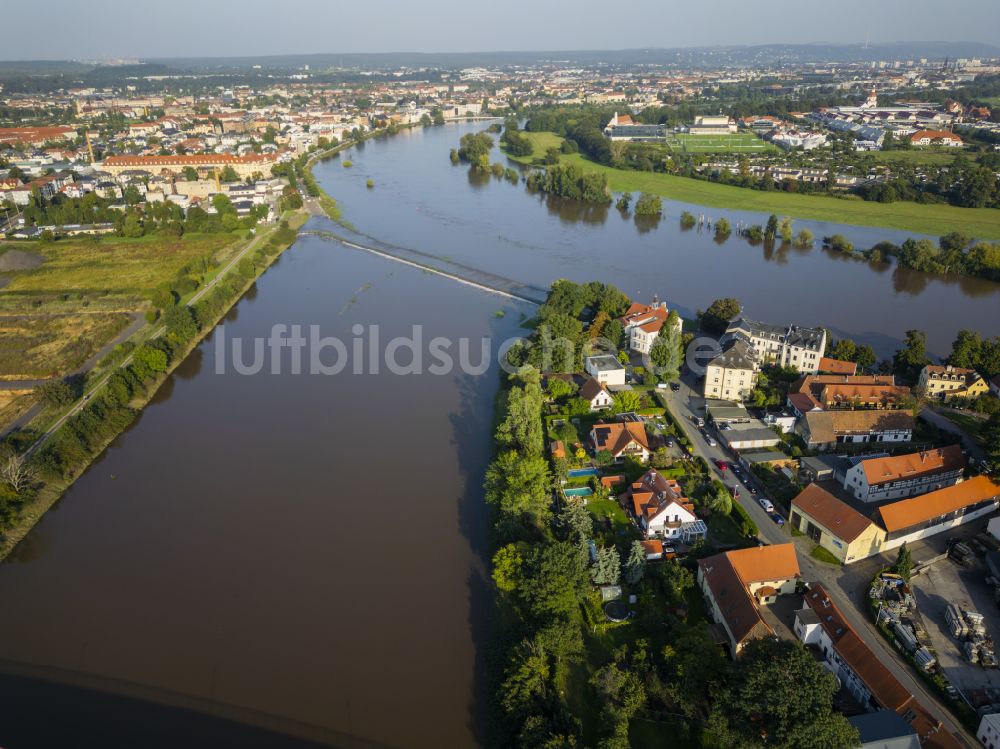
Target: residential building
{"x": 36, "y": 136}
{"x": 737, "y": 583}
{"x": 606, "y": 369}
{"x": 643, "y": 323}
{"x": 989, "y": 731}
{"x": 821, "y": 625}
{"x": 822, "y": 430}
{"x": 596, "y": 395}
{"x": 884, "y": 729}
{"x": 621, "y": 439}
{"x": 900, "y": 476}
{"x": 912, "y": 519}
{"x": 733, "y": 373}
{"x": 838, "y": 395}
{"x": 935, "y": 137}
{"x": 946, "y": 381}
{"x": 834, "y": 525}
{"x": 662, "y": 511}
{"x": 245, "y": 166}
{"x": 787, "y": 346}
{"x": 820, "y": 392}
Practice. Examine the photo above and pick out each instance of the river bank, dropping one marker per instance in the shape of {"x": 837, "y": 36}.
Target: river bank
{"x": 54, "y": 487}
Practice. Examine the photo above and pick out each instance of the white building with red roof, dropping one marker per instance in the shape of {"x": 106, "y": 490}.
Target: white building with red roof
{"x": 643, "y": 323}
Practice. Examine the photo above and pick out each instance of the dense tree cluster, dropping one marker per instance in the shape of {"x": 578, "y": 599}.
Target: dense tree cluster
{"x": 718, "y": 315}
{"x": 474, "y": 149}
{"x": 570, "y": 181}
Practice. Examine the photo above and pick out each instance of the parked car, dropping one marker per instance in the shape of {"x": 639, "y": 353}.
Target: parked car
{"x": 723, "y": 465}
{"x": 777, "y": 519}
{"x": 766, "y": 504}
{"x": 675, "y": 386}
{"x": 751, "y": 488}
{"x": 709, "y": 439}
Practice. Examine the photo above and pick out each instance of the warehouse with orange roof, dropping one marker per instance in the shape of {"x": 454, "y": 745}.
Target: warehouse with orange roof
{"x": 929, "y": 514}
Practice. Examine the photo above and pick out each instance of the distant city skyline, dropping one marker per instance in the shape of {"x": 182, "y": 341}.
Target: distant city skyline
{"x": 103, "y": 29}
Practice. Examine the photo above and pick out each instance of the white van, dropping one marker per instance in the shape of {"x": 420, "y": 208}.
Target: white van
{"x": 766, "y": 504}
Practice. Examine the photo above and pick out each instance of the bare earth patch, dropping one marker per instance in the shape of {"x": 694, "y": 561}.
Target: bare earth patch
{"x": 19, "y": 260}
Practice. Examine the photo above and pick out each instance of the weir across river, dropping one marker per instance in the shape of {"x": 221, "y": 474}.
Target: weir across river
{"x": 441, "y": 266}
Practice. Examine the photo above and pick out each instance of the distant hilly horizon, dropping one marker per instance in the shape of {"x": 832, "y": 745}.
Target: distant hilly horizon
{"x": 698, "y": 56}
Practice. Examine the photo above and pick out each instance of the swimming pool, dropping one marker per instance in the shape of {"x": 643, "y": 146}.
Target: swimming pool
{"x": 575, "y": 473}
{"x": 580, "y": 491}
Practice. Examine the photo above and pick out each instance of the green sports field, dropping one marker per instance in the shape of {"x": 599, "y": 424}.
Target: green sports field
{"x": 733, "y": 143}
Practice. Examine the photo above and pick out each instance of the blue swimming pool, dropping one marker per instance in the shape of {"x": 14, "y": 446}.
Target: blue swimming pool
{"x": 575, "y": 473}
{"x": 580, "y": 491}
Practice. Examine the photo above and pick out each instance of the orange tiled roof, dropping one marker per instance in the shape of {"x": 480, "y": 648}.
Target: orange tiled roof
{"x": 934, "y": 135}
{"x": 837, "y": 366}
{"x": 839, "y": 518}
{"x": 884, "y": 687}
{"x": 909, "y": 512}
{"x": 736, "y": 606}
{"x": 764, "y": 563}
{"x": 912, "y": 465}
{"x": 196, "y": 159}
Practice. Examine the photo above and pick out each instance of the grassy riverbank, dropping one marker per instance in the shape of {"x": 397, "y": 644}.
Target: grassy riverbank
{"x": 933, "y": 220}
{"x": 78, "y": 294}
{"x": 55, "y": 485}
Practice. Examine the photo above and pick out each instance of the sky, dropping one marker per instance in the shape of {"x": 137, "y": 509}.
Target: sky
{"x": 99, "y": 29}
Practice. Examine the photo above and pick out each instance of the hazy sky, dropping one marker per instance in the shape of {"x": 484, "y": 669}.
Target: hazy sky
{"x": 61, "y": 29}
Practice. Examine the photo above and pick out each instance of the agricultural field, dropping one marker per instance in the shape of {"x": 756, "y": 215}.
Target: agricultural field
{"x": 61, "y": 302}
{"x": 933, "y": 220}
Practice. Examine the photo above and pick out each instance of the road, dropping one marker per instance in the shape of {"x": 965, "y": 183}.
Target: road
{"x": 973, "y": 448}
{"x": 686, "y": 403}
{"x": 96, "y": 387}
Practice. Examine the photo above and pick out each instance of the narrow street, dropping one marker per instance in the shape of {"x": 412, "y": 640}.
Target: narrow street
{"x": 846, "y": 590}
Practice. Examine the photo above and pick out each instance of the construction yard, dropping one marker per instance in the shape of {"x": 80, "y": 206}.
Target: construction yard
{"x": 946, "y": 583}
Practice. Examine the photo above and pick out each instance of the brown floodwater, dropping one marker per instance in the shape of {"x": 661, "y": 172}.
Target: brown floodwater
{"x": 268, "y": 556}
{"x": 300, "y": 552}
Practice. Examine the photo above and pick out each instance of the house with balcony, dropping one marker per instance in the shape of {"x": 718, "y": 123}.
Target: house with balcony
{"x": 661, "y": 510}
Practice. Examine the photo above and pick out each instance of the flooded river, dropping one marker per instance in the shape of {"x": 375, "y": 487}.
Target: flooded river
{"x": 280, "y": 555}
